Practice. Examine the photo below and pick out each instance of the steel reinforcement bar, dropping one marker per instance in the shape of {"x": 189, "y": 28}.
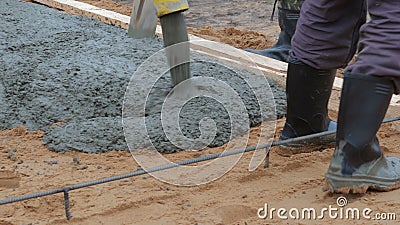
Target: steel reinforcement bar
{"x": 67, "y": 189}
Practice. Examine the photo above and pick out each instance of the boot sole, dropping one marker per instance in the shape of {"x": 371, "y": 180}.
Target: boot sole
{"x": 325, "y": 140}
{"x": 358, "y": 185}
{"x": 289, "y": 151}
{"x": 307, "y": 146}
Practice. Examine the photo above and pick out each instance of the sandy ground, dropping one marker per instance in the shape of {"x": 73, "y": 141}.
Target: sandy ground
{"x": 237, "y": 23}
{"x": 291, "y": 181}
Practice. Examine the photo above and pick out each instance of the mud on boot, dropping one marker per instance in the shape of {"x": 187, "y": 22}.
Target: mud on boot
{"x": 358, "y": 163}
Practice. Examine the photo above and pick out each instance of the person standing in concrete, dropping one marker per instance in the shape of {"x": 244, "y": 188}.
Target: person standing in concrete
{"x": 288, "y": 14}
{"x": 324, "y": 40}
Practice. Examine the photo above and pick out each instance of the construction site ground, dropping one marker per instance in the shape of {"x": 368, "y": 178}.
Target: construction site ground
{"x": 291, "y": 181}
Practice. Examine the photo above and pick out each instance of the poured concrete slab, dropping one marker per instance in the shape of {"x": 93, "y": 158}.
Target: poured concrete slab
{"x": 67, "y": 75}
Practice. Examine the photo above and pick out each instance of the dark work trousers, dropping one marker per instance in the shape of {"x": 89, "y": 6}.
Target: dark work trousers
{"x": 328, "y": 32}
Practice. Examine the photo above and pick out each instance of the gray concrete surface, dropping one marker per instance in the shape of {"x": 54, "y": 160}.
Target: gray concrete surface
{"x": 73, "y": 71}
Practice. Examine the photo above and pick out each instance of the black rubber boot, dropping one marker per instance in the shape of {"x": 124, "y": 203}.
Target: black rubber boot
{"x": 288, "y": 14}
{"x": 358, "y": 163}
{"x": 307, "y": 92}
{"x": 174, "y": 32}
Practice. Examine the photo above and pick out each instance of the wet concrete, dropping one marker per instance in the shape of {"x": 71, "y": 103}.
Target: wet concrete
{"x": 67, "y": 75}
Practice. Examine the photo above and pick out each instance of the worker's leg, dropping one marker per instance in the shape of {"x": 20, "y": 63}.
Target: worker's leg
{"x": 174, "y": 32}
{"x": 358, "y": 163}
{"x": 288, "y": 14}
{"x": 318, "y": 49}
{"x": 379, "y": 47}
{"x": 307, "y": 95}
{"x": 327, "y": 33}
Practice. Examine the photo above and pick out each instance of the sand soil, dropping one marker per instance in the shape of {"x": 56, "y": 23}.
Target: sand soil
{"x": 291, "y": 181}
{"x": 242, "y": 24}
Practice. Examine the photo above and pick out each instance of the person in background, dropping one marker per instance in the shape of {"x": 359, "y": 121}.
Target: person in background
{"x": 288, "y": 14}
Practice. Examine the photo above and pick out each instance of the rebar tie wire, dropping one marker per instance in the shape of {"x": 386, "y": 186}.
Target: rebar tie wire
{"x": 67, "y": 189}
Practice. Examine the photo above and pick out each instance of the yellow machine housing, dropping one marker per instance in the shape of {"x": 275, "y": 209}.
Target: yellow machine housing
{"x": 164, "y": 7}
